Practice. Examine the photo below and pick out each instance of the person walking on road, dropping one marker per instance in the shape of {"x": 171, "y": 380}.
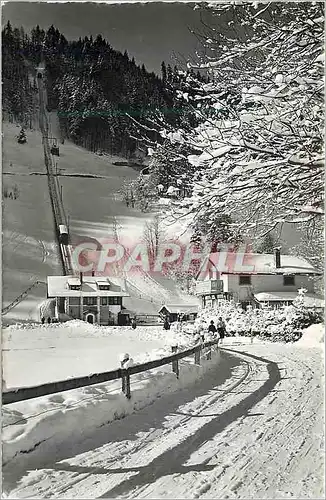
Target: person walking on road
{"x": 212, "y": 327}
{"x": 166, "y": 324}
{"x": 221, "y": 328}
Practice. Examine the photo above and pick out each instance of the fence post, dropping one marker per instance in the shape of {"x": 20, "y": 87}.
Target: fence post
{"x": 197, "y": 355}
{"x": 123, "y": 380}
{"x": 127, "y": 390}
{"x": 175, "y": 364}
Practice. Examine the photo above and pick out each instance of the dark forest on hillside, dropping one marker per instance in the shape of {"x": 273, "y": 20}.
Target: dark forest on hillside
{"x": 94, "y": 88}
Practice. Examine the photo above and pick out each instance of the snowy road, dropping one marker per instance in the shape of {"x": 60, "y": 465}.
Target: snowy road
{"x": 252, "y": 428}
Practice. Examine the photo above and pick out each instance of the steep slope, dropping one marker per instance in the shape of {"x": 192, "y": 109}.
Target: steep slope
{"x": 92, "y": 205}
{"x": 29, "y": 251}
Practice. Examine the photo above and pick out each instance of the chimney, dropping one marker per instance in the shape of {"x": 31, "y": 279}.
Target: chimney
{"x": 81, "y": 278}
{"x": 278, "y": 257}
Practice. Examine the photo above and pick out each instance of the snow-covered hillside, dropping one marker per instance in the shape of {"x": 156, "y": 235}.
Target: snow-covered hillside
{"x": 28, "y": 242}
{"x": 29, "y": 248}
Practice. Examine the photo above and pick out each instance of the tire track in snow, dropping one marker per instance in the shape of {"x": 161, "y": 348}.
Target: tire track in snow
{"x": 281, "y": 436}
{"x": 181, "y": 425}
{"x": 153, "y": 448}
{"x": 214, "y": 450}
{"x": 148, "y": 442}
{"x": 238, "y": 487}
{"x": 172, "y": 459}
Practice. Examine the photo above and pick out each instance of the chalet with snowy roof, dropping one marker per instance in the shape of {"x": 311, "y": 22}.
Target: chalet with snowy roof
{"x": 90, "y": 298}
{"x": 257, "y": 279}
{"x": 182, "y": 311}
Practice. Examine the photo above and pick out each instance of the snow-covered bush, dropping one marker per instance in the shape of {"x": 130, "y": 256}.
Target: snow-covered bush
{"x": 234, "y": 316}
{"x": 284, "y": 324}
{"x": 305, "y": 316}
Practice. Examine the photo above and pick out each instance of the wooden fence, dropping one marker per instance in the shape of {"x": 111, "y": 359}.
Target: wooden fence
{"x": 25, "y": 393}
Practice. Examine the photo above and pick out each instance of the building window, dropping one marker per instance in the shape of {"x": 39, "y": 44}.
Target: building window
{"x": 115, "y": 301}
{"x": 74, "y": 301}
{"x": 75, "y": 287}
{"x": 61, "y": 304}
{"x": 289, "y": 280}
{"x": 104, "y": 301}
{"x": 90, "y": 301}
{"x": 104, "y": 287}
{"x": 244, "y": 280}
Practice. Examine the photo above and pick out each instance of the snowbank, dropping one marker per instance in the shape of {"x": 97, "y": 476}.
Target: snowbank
{"x": 46, "y": 422}
{"x": 35, "y": 354}
{"x": 313, "y": 336}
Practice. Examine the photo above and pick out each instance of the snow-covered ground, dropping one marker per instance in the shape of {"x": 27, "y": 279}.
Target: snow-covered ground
{"x": 36, "y": 354}
{"x": 313, "y": 336}
{"x": 28, "y": 240}
{"x": 52, "y": 419}
{"x": 249, "y": 425}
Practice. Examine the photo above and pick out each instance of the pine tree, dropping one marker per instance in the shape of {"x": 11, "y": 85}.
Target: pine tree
{"x": 267, "y": 245}
{"x": 169, "y": 74}
{"x": 21, "y": 139}
{"x": 163, "y": 72}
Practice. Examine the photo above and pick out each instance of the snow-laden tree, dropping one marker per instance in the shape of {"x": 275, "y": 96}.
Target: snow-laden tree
{"x": 153, "y": 236}
{"x": 311, "y": 246}
{"x": 260, "y": 144}
{"x": 267, "y": 245}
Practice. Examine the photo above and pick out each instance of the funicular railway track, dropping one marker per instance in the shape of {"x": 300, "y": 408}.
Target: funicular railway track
{"x": 57, "y": 207}
{"x": 22, "y": 296}
{"x": 54, "y": 190}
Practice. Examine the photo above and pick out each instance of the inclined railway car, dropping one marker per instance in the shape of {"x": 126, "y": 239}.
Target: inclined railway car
{"x": 63, "y": 234}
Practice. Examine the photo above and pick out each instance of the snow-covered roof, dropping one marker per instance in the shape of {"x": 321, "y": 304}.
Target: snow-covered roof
{"x": 309, "y": 299}
{"x": 73, "y": 281}
{"x": 180, "y": 308}
{"x": 262, "y": 263}
{"x": 58, "y": 286}
{"x": 102, "y": 281}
